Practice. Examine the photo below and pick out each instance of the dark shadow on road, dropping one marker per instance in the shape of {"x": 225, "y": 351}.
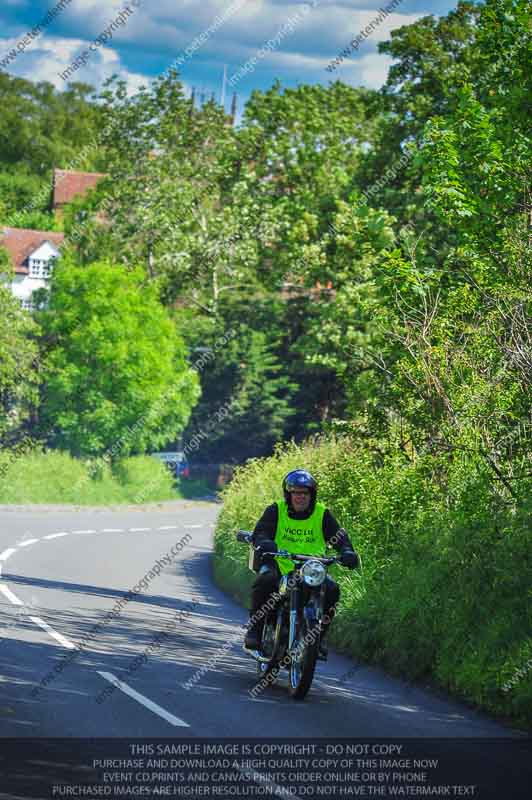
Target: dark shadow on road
{"x": 200, "y": 628}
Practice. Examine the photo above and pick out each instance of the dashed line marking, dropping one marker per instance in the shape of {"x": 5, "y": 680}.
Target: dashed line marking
{"x": 192, "y": 526}
{"x": 27, "y": 542}
{"x": 9, "y": 552}
{"x": 135, "y": 530}
{"x": 91, "y": 531}
{"x": 113, "y": 530}
{"x": 54, "y": 535}
{"x": 140, "y": 698}
{"x": 10, "y": 596}
{"x": 58, "y": 636}
{"x": 167, "y": 527}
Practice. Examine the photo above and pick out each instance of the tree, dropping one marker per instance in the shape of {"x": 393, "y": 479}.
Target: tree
{"x": 477, "y": 348}
{"x": 247, "y": 399}
{"x": 19, "y": 373}
{"x": 170, "y": 202}
{"x": 41, "y": 127}
{"x": 17, "y": 191}
{"x": 116, "y": 376}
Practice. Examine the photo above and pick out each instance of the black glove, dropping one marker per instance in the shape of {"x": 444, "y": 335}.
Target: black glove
{"x": 349, "y": 559}
{"x": 266, "y": 546}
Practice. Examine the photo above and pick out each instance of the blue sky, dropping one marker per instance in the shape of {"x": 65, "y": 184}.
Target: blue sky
{"x": 158, "y": 31}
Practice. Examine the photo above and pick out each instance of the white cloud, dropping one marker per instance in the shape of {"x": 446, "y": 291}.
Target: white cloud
{"x": 157, "y": 33}
{"x": 306, "y": 51}
{"x": 341, "y": 33}
{"x": 372, "y": 69}
{"x": 169, "y": 29}
{"x": 50, "y": 56}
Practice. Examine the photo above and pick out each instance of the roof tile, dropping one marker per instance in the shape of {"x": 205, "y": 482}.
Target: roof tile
{"x": 68, "y": 184}
{"x": 21, "y": 242}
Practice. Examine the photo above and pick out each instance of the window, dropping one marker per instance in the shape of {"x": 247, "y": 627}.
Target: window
{"x": 41, "y": 268}
{"x": 34, "y": 267}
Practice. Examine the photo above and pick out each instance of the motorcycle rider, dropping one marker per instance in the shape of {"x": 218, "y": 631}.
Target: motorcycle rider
{"x": 299, "y": 524}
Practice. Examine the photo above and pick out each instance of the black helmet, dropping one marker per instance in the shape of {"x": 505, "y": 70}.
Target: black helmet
{"x": 299, "y": 479}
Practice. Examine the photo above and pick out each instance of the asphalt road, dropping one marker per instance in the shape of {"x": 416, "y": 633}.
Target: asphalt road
{"x": 135, "y": 674}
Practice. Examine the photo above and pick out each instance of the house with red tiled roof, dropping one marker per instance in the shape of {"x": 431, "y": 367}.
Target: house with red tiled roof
{"x": 68, "y": 184}
{"x": 32, "y": 254}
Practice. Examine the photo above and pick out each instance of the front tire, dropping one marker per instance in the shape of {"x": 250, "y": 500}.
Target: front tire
{"x": 303, "y": 664}
{"x": 268, "y": 670}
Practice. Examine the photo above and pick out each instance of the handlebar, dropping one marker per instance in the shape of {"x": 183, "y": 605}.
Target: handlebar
{"x": 246, "y": 538}
{"x": 328, "y": 560}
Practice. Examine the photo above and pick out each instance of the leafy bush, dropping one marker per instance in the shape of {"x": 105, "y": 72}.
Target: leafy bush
{"x": 444, "y": 591}
{"x": 144, "y": 478}
{"x": 56, "y": 477}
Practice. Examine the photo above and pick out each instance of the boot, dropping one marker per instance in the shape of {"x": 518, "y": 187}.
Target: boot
{"x": 253, "y": 636}
{"x": 323, "y": 649}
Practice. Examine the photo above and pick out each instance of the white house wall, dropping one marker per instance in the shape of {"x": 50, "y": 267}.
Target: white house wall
{"x": 23, "y": 286}
{"x": 45, "y": 252}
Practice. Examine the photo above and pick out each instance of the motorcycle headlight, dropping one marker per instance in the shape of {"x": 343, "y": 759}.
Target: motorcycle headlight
{"x": 313, "y": 573}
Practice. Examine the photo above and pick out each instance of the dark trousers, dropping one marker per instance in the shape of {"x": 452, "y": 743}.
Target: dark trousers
{"x": 266, "y": 583}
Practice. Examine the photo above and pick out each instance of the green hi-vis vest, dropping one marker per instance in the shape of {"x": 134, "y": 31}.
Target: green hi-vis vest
{"x": 299, "y": 535}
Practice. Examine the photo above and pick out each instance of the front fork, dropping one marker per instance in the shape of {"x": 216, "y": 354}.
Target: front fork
{"x": 313, "y": 611}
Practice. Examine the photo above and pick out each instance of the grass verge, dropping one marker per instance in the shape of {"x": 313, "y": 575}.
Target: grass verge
{"x": 55, "y": 477}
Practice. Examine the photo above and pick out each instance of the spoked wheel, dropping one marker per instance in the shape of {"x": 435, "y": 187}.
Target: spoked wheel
{"x": 268, "y": 670}
{"x": 301, "y": 670}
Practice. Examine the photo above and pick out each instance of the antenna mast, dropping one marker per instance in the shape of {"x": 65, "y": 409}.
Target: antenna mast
{"x": 224, "y": 81}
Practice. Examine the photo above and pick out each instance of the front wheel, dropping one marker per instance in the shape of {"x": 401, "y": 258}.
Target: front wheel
{"x": 268, "y": 670}
{"x": 304, "y": 657}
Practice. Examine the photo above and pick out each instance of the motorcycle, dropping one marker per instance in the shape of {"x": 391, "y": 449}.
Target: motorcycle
{"x": 292, "y": 623}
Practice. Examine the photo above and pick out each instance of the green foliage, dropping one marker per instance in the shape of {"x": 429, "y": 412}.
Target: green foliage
{"x": 444, "y": 567}
{"x": 38, "y": 220}
{"x": 246, "y": 378}
{"x": 19, "y": 371}
{"x": 365, "y": 258}
{"x": 165, "y": 195}
{"x": 116, "y": 377}
{"x": 41, "y": 127}
{"x": 143, "y": 482}
{"x": 431, "y": 59}
{"x": 17, "y": 191}
{"x": 55, "y": 477}
{"x": 222, "y": 218}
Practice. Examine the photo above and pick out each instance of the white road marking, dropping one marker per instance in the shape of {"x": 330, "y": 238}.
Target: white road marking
{"x": 144, "y": 700}
{"x": 27, "y": 542}
{"x": 167, "y": 527}
{"x": 192, "y": 526}
{"x": 54, "y": 535}
{"x": 261, "y": 700}
{"x": 9, "y": 552}
{"x": 113, "y": 530}
{"x": 91, "y": 531}
{"x": 134, "y": 530}
{"x": 10, "y": 596}
{"x": 58, "y": 636}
